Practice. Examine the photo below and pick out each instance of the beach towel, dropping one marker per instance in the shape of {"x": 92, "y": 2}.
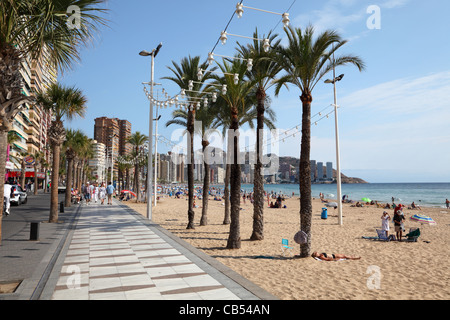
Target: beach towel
{"x": 327, "y": 261}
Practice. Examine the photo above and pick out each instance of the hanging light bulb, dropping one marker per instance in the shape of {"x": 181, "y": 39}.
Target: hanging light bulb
{"x": 224, "y": 89}
{"x": 223, "y": 37}
{"x": 200, "y": 74}
{"x": 266, "y": 45}
{"x": 183, "y": 93}
{"x": 239, "y": 10}
{"x": 191, "y": 85}
{"x": 198, "y": 105}
{"x": 236, "y": 78}
{"x": 286, "y": 19}
{"x": 250, "y": 65}
{"x": 210, "y": 58}
{"x": 205, "y": 102}
{"x": 214, "y": 97}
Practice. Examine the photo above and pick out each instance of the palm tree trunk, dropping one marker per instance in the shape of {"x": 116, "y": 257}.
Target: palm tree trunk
{"x": 305, "y": 175}
{"x": 205, "y": 200}
{"x": 234, "y": 238}
{"x": 226, "y": 194}
{"x": 36, "y": 180}
{"x": 54, "y": 189}
{"x": 23, "y": 173}
{"x": 190, "y": 129}
{"x": 68, "y": 198}
{"x": 258, "y": 183}
{"x": 3, "y": 144}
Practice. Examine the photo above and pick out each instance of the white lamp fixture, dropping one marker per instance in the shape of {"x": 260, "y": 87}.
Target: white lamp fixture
{"x": 249, "y": 65}
{"x": 236, "y": 78}
{"x": 224, "y": 89}
{"x": 200, "y": 74}
{"x": 210, "y": 58}
{"x": 266, "y": 45}
{"x": 239, "y": 10}
{"x": 223, "y": 37}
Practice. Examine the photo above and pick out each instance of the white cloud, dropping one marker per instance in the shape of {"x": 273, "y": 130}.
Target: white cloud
{"x": 404, "y": 96}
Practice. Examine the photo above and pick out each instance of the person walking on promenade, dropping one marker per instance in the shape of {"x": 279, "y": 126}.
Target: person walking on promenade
{"x": 87, "y": 193}
{"x": 96, "y": 192}
{"x": 110, "y": 191}
{"x": 7, "y": 197}
{"x": 102, "y": 193}
{"x": 91, "y": 189}
{"x": 447, "y": 203}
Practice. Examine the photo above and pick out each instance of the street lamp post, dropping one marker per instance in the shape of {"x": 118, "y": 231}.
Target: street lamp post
{"x": 338, "y": 160}
{"x": 156, "y": 153}
{"x": 153, "y": 54}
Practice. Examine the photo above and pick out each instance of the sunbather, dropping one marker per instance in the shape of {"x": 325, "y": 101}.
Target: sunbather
{"x": 333, "y": 257}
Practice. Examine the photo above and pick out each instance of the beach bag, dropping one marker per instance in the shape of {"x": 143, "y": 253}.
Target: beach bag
{"x": 301, "y": 237}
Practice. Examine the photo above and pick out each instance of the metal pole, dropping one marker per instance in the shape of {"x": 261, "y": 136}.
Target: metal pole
{"x": 112, "y": 160}
{"x": 156, "y": 155}
{"x": 150, "y": 144}
{"x": 338, "y": 165}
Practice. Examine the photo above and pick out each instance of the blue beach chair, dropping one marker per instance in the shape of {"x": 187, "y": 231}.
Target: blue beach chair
{"x": 381, "y": 236}
{"x": 285, "y": 248}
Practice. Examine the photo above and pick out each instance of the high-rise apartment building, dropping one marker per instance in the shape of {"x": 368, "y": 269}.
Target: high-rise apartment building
{"x": 113, "y": 133}
{"x": 31, "y": 124}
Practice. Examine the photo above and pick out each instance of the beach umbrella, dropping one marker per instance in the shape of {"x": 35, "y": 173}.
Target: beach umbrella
{"x": 128, "y": 191}
{"x": 423, "y": 219}
{"x": 366, "y": 200}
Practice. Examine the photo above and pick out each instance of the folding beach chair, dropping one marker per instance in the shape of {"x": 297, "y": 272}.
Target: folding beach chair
{"x": 413, "y": 235}
{"x": 381, "y": 236}
{"x": 285, "y": 248}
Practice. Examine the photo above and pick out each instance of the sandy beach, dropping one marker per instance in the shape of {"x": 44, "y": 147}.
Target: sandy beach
{"x": 387, "y": 270}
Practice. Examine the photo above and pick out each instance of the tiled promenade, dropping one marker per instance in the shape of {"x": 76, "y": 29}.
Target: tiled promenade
{"x": 113, "y": 253}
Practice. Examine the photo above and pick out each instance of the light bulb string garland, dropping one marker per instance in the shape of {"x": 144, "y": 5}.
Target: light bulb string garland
{"x": 297, "y": 129}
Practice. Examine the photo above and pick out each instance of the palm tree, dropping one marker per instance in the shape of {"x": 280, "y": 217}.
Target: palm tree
{"x": 64, "y": 103}
{"x": 262, "y": 74}
{"x": 137, "y": 140}
{"x": 306, "y": 60}
{"x": 183, "y": 74}
{"x": 39, "y": 159}
{"x": 246, "y": 115}
{"x": 72, "y": 145}
{"x": 235, "y": 98}
{"x": 28, "y": 28}
{"x": 206, "y": 118}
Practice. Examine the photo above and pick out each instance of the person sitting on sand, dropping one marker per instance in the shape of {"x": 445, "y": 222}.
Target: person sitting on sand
{"x": 414, "y": 206}
{"x": 333, "y": 257}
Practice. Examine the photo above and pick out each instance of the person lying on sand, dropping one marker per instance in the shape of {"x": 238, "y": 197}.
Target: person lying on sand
{"x": 332, "y": 257}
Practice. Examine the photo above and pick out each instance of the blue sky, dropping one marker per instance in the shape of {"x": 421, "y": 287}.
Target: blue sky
{"x": 394, "y": 118}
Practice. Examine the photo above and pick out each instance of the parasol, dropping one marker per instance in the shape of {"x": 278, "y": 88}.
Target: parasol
{"x": 423, "y": 219}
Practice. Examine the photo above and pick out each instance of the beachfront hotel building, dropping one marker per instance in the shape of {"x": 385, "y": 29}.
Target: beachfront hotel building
{"x": 98, "y": 163}
{"x": 114, "y": 134}
{"x": 30, "y": 126}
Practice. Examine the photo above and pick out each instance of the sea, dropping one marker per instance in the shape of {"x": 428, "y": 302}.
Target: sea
{"x": 423, "y": 194}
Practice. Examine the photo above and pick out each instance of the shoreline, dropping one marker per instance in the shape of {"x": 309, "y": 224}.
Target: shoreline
{"x": 405, "y": 270}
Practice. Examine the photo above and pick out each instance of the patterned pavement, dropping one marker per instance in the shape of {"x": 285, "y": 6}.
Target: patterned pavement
{"x": 113, "y": 254}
